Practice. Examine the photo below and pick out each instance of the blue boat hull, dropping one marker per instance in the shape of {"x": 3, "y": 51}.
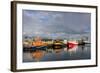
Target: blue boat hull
{"x": 33, "y": 48}
{"x": 38, "y": 48}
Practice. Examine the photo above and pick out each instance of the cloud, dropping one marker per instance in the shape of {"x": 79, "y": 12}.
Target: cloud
{"x": 56, "y": 22}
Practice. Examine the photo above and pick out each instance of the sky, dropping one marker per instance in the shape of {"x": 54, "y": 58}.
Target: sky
{"x": 55, "y": 23}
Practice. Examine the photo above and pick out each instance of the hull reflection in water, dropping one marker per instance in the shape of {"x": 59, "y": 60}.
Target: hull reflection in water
{"x": 71, "y": 50}
{"x": 37, "y": 55}
{"x": 66, "y": 53}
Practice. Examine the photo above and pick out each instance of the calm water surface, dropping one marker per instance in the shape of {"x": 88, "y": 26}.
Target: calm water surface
{"x": 75, "y": 53}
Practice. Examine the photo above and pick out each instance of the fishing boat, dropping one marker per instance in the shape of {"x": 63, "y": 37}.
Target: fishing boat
{"x": 83, "y": 42}
{"x": 71, "y": 44}
{"x": 57, "y": 44}
{"x": 34, "y": 46}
